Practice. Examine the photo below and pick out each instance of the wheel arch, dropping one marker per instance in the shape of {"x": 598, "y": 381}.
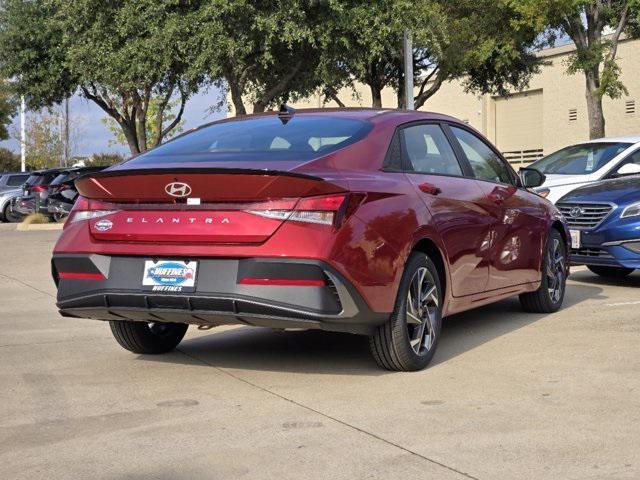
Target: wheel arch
{"x": 430, "y": 248}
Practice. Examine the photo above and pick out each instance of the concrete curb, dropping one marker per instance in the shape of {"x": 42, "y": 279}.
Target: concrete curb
{"x": 38, "y": 226}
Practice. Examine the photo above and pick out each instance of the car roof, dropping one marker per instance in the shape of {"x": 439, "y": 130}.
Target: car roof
{"x": 357, "y": 113}
{"x": 628, "y": 139}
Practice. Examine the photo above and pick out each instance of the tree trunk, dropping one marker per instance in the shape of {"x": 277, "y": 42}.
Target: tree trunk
{"x": 236, "y": 97}
{"x": 376, "y": 96}
{"x": 595, "y": 113}
{"x": 132, "y": 139}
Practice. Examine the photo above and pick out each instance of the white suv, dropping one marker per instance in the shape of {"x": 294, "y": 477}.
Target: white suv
{"x": 584, "y": 163}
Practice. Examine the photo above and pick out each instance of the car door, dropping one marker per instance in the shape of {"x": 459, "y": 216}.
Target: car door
{"x": 454, "y": 202}
{"x": 519, "y": 215}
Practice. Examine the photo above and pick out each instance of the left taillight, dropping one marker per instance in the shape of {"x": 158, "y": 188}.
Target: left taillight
{"x": 323, "y": 210}
{"x": 85, "y": 209}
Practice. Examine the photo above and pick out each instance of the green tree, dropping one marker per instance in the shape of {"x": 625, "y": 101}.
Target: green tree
{"x": 264, "y": 51}
{"x": 489, "y": 43}
{"x": 9, "y": 161}
{"x": 169, "y": 116}
{"x": 7, "y": 108}
{"x": 120, "y": 54}
{"x": 595, "y": 27}
{"x": 44, "y": 145}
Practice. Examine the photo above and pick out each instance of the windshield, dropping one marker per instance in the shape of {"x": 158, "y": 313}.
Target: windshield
{"x": 263, "y": 138}
{"x": 579, "y": 159}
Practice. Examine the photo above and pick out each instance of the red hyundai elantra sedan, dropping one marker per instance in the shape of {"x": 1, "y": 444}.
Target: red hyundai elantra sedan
{"x": 374, "y": 222}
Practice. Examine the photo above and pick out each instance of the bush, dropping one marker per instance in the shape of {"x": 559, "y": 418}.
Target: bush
{"x": 105, "y": 159}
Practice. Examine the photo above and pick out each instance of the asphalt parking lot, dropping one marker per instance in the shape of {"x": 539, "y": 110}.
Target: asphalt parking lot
{"x": 509, "y": 395}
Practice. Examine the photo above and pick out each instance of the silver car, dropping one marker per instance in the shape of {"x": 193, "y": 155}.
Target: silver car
{"x": 7, "y": 213}
{"x": 12, "y": 180}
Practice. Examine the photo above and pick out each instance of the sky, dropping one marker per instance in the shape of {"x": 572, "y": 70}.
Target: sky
{"x": 94, "y": 136}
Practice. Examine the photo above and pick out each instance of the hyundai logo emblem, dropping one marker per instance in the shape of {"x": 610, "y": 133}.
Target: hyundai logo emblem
{"x": 178, "y": 189}
{"x": 575, "y": 212}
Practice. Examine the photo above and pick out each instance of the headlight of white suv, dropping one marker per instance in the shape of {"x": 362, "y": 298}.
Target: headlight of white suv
{"x": 631, "y": 211}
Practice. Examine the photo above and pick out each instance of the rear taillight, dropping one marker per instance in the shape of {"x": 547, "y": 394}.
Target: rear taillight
{"x": 85, "y": 209}
{"x": 38, "y": 188}
{"x": 325, "y": 210}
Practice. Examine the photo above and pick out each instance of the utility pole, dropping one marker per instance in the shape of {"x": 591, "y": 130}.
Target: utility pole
{"x": 23, "y": 134}
{"x": 408, "y": 71}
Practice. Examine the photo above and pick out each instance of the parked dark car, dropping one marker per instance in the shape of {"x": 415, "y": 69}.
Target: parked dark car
{"x": 35, "y": 192}
{"x": 12, "y": 180}
{"x": 604, "y": 221}
{"x": 62, "y": 192}
{"x": 355, "y": 220}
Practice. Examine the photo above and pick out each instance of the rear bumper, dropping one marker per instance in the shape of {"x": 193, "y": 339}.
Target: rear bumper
{"x": 219, "y": 297}
{"x": 24, "y": 205}
{"x": 56, "y": 206}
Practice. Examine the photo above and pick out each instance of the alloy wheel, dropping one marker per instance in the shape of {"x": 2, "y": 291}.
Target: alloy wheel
{"x": 555, "y": 271}
{"x": 422, "y": 311}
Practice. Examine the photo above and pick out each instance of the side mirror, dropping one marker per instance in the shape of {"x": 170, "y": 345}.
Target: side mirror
{"x": 628, "y": 169}
{"x": 531, "y": 178}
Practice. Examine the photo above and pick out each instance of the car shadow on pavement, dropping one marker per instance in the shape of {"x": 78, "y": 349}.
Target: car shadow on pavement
{"x": 585, "y": 276}
{"x": 465, "y": 331}
{"x": 319, "y": 352}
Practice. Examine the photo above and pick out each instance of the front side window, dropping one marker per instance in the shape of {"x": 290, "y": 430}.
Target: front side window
{"x": 580, "y": 159}
{"x": 428, "y": 150}
{"x": 485, "y": 163}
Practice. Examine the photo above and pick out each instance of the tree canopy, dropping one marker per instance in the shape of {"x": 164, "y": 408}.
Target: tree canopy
{"x": 595, "y": 27}
{"x": 120, "y": 54}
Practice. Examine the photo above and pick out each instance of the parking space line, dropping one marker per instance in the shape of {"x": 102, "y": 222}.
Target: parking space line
{"x": 620, "y": 304}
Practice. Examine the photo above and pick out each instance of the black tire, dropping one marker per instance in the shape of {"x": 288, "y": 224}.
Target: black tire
{"x": 610, "y": 272}
{"x": 391, "y": 345}
{"x": 549, "y": 297}
{"x": 9, "y": 215}
{"x": 148, "y": 338}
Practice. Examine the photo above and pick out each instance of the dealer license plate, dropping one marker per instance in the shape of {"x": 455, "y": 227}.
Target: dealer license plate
{"x": 169, "y": 276}
{"x": 575, "y": 238}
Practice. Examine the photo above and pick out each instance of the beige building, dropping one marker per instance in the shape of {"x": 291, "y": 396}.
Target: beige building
{"x": 549, "y": 115}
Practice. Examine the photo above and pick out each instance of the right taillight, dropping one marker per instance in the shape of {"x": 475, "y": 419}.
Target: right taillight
{"x": 86, "y": 209}
{"x": 323, "y": 210}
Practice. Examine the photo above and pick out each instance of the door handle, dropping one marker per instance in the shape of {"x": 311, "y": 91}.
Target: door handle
{"x": 429, "y": 189}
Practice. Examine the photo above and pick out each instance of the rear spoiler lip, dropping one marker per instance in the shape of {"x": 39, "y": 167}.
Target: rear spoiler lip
{"x": 164, "y": 171}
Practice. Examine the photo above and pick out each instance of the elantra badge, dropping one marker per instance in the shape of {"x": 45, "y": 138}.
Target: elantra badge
{"x": 178, "y": 189}
{"x": 103, "y": 225}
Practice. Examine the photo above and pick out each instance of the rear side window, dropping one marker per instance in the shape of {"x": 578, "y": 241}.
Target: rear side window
{"x": 485, "y": 163}
{"x": 16, "y": 180}
{"x": 428, "y": 150}
{"x": 303, "y": 137}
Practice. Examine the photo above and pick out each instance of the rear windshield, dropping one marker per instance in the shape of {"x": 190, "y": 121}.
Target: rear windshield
{"x": 264, "y": 138}
{"x": 60, "y": 178}
{"x": 579, "y": 159}
{"x": 33, "y": 179}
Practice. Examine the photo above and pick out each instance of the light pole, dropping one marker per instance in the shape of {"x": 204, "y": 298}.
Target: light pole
{"x": 408, "y": 70}
{"x": 23, "y": 134}
{"x": 66, "y": 132}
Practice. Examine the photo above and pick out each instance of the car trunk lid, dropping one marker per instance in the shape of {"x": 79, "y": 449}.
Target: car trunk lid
{"x": 195, "y": 205}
